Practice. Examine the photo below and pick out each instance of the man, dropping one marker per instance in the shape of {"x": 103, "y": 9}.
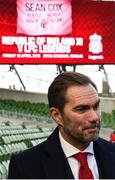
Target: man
{"x": 74, "y": 106}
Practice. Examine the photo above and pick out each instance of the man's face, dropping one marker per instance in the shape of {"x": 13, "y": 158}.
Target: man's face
{"x": 80, "y": 120}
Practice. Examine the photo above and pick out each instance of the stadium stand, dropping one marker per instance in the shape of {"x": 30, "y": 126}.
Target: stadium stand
{"x": 15, "y": 138}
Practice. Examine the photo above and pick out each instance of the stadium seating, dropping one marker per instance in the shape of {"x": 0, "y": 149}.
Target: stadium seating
{"x": 15, "y": 138}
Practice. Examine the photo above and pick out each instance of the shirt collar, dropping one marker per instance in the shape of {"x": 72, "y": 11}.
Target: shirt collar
{"x": 70, "y": 150}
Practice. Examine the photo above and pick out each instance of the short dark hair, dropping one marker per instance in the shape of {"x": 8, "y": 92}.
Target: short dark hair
{"x": 57, "y": 89}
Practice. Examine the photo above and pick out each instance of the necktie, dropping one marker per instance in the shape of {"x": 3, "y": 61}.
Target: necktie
{"x": 84, "y": 171}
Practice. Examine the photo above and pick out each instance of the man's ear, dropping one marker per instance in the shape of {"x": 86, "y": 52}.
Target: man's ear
{"x": 56, "y": 115}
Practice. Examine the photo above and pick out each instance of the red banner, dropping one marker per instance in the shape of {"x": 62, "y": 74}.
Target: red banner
{"x": 77, "y": 32}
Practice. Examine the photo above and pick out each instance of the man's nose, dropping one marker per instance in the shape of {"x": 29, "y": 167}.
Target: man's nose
{"x": 94, "y": 115}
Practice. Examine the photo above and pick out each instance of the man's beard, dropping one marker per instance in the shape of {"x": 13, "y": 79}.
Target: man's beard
{"x": 80, "y": 137}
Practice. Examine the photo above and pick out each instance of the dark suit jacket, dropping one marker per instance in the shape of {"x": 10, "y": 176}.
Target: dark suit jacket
{"x": 47, "y": 161}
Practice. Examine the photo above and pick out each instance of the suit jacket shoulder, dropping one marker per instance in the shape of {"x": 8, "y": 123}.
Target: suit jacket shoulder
{"x": 105, "y": 157}
{"x": 44, "y": 161}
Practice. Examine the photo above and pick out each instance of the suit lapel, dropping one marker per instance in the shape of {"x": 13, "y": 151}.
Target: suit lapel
{"x": 54, "y": 161}
{"x": 56, "y": 167}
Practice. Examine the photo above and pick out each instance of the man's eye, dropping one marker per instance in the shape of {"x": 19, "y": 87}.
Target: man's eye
{"x": 81, "y": 110}
{"x": 96, "y": 107}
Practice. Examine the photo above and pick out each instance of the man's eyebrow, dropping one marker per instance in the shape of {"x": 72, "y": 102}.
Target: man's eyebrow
{"x": 86, "y": 105}
{"x": 81, "y": 106}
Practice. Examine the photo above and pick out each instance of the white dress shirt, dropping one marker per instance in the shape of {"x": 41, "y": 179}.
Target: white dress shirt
{"x": 70, "y": 150}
